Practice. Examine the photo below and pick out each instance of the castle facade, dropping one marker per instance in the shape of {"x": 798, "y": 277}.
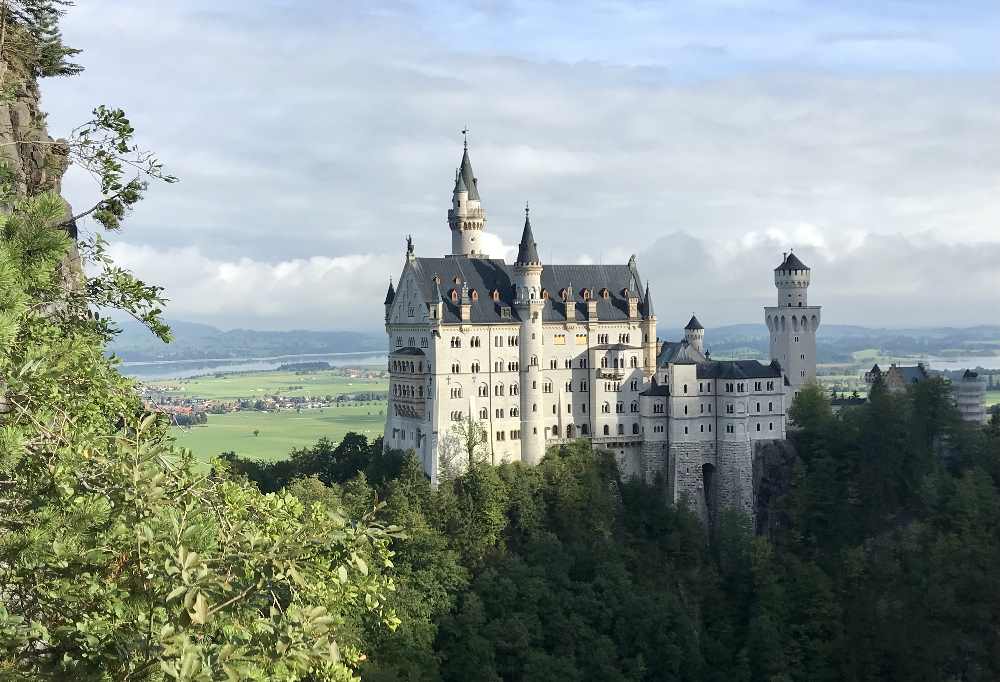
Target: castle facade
{"x": 540, "y": 354}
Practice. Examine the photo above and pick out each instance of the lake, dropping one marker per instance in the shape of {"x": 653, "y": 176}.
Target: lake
{"x": 182, "y": 369}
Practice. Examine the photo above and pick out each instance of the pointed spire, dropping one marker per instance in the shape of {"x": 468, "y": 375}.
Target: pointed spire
{"x": 390, "y": 295}
{"x": 693, "y": 323}
{"x": 468, "y": 177}
{"x": 647, "y": 300}
{"x": 409, "y": 245}
{"x": 466, "y": 297}
{"x": 527, "y": 250}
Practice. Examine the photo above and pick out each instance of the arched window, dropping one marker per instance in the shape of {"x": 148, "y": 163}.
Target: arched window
{"x": 604, "y": 362}
{"x": 534, "y": 360}
{"x": 475, "y": 295}
{"x": 454, "y": 295}
{"x": 475, "y": 367}
{"x": 484, "y": 413}
{"x": 606, "y": 408}
{"x": 607, "y": 430}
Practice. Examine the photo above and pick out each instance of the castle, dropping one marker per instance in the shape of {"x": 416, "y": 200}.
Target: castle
{"x": 541, "y": 354}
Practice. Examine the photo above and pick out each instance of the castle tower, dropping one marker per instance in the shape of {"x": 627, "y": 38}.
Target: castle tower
{"x": 649, "y": 345}
{"x": 694, "y": 333}
{"x": 390, "y": 296}
{"x": 528, "y": 302}
{"x": 793, "y": 322}
{"x": 466, "y": 217}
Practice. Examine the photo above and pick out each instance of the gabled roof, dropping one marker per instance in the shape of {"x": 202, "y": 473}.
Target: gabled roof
{"x": 792, "y": 262}
{"x": 390, "y": 295}
{"x": 487, "y": 274}
{"x": 527, "y": 250}
{"x": 408, "y": 350}
{"x": 678, "y": 353}
{"x": 693, "y": 324}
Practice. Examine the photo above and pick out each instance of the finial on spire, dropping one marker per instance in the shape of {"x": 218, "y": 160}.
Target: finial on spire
{"x": 465, "y": 137}
{"x": 409, "y": 244}
{"x": 526, "y": 209}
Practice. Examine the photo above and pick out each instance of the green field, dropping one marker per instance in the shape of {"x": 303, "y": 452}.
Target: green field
{"x": 259, "y": 384}
{"x": 280, "y": 432}
{"x": 992, "y": 398}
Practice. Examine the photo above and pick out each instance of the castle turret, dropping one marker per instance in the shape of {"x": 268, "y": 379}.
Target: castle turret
{"x": 694, "y": 333}
{"x": 466, "y": 218}
{"x": 390, "y": 296}
{"x": 529, "y": 303}
{"x": 648, "y": 325}
{"x": 793, "y": 322}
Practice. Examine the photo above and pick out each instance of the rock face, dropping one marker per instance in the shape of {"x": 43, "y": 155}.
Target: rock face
{"x": 34, "y": 160}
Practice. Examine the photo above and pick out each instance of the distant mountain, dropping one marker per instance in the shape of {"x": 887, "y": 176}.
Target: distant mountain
{"x": 194, "y": 341}
{"x": 836, "y": 342}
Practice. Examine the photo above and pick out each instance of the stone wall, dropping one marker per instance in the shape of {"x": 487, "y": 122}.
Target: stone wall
{"x": 734, "y": 464}
{"x": 685, "y": 462}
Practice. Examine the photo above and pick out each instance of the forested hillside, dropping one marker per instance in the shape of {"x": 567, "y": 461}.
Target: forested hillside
{"x": 879, "y": 562}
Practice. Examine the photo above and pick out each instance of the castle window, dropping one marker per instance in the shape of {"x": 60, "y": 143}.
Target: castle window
{"x": 475, "y": 367}
{"x": 634, "y": 407}
{"x": 554, "y": 409}
{"x": 604, "y": 362}
{"x": 498, "y": 412}
{"x": 514, "y": 389}
{"x": 547, "y": 387}
{"x": 770, "y": 407}
{"x": 685, "y": 409}
{"x": 581, "y": 339}
{"x": 583, "y": 408}
{"x": 710, "y": 408}
{"x": 456, "y": 368}
{"x": 484, "y": 413}
{"x": 607, "y": 430}
{"x": 505, "y": 312}
{"x": 635, "y": 361}
{"x": 685, "y": 388}
{"x": 498, "y": 390}
{"x": 456, "y": 392}
{"x": 770, "y": 385}
{"x": 758, "y": 427}
{"x": 586, "y": 294}
{"x": 685, "y": 430}
{"x": 730, "y": 409}
{"x": 770, "y": 426}
{"x": 758, "y": 407}
{"x": 553, "y": 364}
{"x": 474, "y": 342}
{"x": 635, "y": 428}
{"x": 710, "y": 428}
{"x": 569, "y": 409}
{"x": 619, "y": 408}
{"x": 606, "y": 408}
{"x": 423, "y": 342}
{"x": 399, "y": 342}
{"x": 702, "y": 428}
{"x": 567, "y": 363}
{"x": 545, "y": 294}
{"x": 513, "y": 412}
{"x": 534, "y": 408}
{"x": 484, "y": 391}
{"x": 605, "y": 293}
{"x": 475, "y": 295}
{"x": 569, "y": 386}
{"x": 583, "y": 386}
{"x": 495, "y": 295}
{"x": 729, "y": 428}
{"x": 454, "y": 295}
{"x": 621, "y": 429}
{"x": 584, "y": 429}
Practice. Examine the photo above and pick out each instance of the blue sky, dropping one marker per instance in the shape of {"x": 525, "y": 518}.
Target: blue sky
{"x": 705, "y": 137}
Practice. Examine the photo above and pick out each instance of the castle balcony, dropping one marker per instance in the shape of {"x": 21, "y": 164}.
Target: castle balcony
{"x": 470, "y": 213}
{"x": 612, "y": 374}
{"x": 617, "y": 441}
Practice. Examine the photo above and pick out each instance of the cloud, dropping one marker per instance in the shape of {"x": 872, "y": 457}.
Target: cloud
{"x": 302, "y": 149}
{"x": 877, "y": 280}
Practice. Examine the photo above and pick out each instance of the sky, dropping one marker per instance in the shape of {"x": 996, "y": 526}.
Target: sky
{"x": 706, "y": 137}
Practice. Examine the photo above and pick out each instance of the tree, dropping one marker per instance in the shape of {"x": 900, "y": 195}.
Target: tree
{"x": 119, "y": 557}
{"x": 466, "y": 445}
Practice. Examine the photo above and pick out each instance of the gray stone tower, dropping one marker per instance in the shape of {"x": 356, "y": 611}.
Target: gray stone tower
{"x": 529, "y": 303}
{"x": 694, "y": 334}
{"x": 793, "y": 322}
{"x": 466, "y": 217}
{"x": 650, "y": 347}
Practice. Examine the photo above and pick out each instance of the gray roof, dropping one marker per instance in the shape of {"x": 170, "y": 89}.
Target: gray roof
{"x": 678, "y": 353}
{"x": 407, "y": 350}
{"x": 527, "y": 250}
{"x": 656, "y": 389}
{"x": 390, "y": 295}
{"x": 647, "y": 303}
{"x": 738, "y": 369}
{"x": 693, "y": 324}
{"x": 467, "y": 177}
{"x": 484, "y": 275}
{"x": 792, "y": 262}
{"x": 911, "y": 375}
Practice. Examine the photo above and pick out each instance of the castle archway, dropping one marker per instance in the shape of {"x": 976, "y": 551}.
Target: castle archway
{"x": 710, "y": 501}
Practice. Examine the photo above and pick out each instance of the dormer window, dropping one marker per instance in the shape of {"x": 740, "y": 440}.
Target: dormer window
{"x": 605, "y": 293}
{"x": 564, "y": 294}
{"x": 495, "y": 295}
{"x": 457, "y": 280}
{"x": 454, "y": 295}
{"x": 505, "y": 312}
{"x": 586, "y": 294}
{"x": 545, "y": 294}
{"x": 437, "y": 279}
{"x": 475, "y": 295}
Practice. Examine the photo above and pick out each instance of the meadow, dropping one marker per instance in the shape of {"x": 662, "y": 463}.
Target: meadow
{"x": 259, "y": 384}
{"x": 272, "y": 435}
{"x": 278, "y": 433}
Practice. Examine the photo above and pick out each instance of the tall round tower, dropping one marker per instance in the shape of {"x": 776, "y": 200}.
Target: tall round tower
{"x": 792, "y": 324}
{"x": 529, "y": 303}
{"x": 466, "y": 217}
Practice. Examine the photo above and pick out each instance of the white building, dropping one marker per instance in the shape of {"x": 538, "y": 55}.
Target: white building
{"x": 541, "y": 354}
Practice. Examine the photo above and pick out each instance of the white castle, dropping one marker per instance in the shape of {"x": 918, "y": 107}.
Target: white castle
{"x": 542, "y": 354}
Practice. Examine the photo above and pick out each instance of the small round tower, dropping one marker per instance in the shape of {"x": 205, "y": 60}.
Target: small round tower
{"x": 792, "y": 280}
{"x": 694, "y": 334}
